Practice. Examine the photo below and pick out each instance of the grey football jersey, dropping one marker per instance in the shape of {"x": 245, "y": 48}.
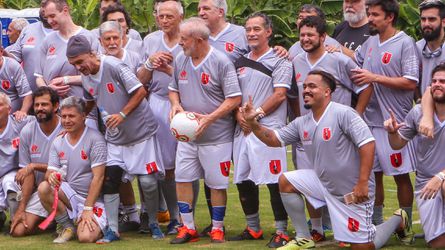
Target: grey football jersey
{"x": 14, "y": 82}
{"x": 396, "y": 57}
{"x": 429, "y": 152}
{"x": 53, "y": 62}
{"x": 203, "y": 88}
{"x": 89, "y": 152}
{"x": 331, "y": 145}
{"x": 428, "y": 64}
{"x": 337, "y": 64}
{"x": 9, "y": 144}
{"x": 232, "y": 41}
{"x": 152, "y": 44}
{"x": 34, "y": 146}
{"x": 132, "y": 60}
{"x": 260, "y": 86}
{"x": 133, "y": 34}
{"x": 26, "y": 48}
{"x": 111, "y": 88}
{"x": 296, "y": 48}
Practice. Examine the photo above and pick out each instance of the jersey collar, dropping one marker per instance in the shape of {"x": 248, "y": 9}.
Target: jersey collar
{"x": 312, "y": 66}
{"x": 203, "y": 61}
{"x": 389, "y": 40}
{"x": 322, "y": 116}
{"x": 214, "y": 38}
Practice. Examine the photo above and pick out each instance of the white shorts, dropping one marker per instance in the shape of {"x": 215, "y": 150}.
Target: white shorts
{"x": 35, "y": 207}
{"x": 432, "y": 215}
{"x": 77, "y": 202}
{"x": 161, "y": 108}
{"x": 7, "y": 184}
{"x": 391, "y": 162}
{"x": 302, "y": 159}
{"x": 209, "y": 161}
{"x": 350, "y": 223}
{"x": 139, "y": 159}
{"x": 256, "y": 161}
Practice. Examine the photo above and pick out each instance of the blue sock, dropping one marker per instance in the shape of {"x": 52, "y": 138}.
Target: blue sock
{"x": 218, "y": 214}
{"x": 186, "y": 212}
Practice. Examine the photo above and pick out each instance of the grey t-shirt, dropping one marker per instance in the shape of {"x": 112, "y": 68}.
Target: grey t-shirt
{"x": 296, "y": 48}
{"x": 14, "y": 82}
{"x": 428, "y": 64}
{"x": 132, "y": 60}
{"x": 396, "y": 57}
{"x": 232, "y": 41}
{"x": 111, "y": 88}
{"x": 332, "y": 145}
{"x": 203, "y": 88}
{"x": 89, "y": 152}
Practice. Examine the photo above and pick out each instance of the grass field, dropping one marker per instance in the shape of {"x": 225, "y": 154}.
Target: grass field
{"x": 234, "y": 222}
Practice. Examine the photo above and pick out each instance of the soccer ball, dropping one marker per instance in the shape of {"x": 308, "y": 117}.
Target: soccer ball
{"x": 183, "y": 126}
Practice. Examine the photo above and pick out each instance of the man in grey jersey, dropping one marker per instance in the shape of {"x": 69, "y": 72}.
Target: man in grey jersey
{"x": 76, "y": 165}
{"x": 349, "y": 198}
{"x": 132, "y": 148}
{"x": 266, "y": 77}
{"x": 389, "y": 61}
{"x": 15, "y": 27}
{"x": 35, "y": 141}
{"x": 204, "y": 82}
{"x": 430, "y": 171}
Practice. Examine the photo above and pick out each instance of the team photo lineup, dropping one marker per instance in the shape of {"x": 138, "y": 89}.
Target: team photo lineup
{"x": 89, "y": 119}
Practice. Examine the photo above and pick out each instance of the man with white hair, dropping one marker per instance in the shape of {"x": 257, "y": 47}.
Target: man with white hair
{"x": 15, "y": 28}
{"x": 204, "y": 82}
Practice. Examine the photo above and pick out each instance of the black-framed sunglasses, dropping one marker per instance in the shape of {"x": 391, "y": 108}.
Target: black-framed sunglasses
{"x": 431, "y": 54}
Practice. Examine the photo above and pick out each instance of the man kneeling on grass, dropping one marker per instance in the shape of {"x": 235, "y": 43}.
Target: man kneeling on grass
{"x": 79, "y": 157}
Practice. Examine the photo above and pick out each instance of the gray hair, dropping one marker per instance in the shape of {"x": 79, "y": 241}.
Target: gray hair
{"x": 221, "y": 4}
{"x": 4, "y": 97}
{"x": 178, "y": 5}
{"x": 110, "y": 26}
{"x": 19, "y": 23}
{"x": 74, "y": 102}
{"x": 196, "y": 27}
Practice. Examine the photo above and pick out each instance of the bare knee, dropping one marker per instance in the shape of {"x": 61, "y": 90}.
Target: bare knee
{"x": 284, "y": 185}
{"x": 87, "y": 237}
{"x": 44, "y": 189}
{"x": 19, "y": 231}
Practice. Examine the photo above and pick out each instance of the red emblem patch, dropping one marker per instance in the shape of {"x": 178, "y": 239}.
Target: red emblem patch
{"x": 83, "y": 155}
{"x": 183, "y": 75}
{"x": 298, "y": 76}
{"x": 6, "y": 84}
{"x": 151, "y": 168}
{"x": 15, "y": 142}
{"x": 327, "y": 134}
{"x": 230, "y": 47}
{"x": 52, "y": 50}
{"x": 353, "y": 225}
{"x": 205, "y": 78}
{"x": 30, "y": 40}
{"x": 34, "y": 148}
{"x": 241, "y": 70}
{"x": 91, "y": 91}
{"x": 110, "y": 87}
{"x": 225, "y": 168}
{"x": 305, "y": 135}
{"x": 98, "y": 211}
{"x": 396, "y": 160}
{"x": 61, "y": 154}
{"x": 386, "y": 58}
{"x": 275, "y": 166}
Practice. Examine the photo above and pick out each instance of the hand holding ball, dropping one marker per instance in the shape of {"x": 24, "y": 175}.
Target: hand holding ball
{"x": 183, "y": 126}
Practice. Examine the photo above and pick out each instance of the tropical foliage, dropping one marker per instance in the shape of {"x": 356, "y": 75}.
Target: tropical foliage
{"x": 282, "y": 12}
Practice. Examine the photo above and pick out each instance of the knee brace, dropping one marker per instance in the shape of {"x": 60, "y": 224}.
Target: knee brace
{"x": 249, "y": 197}
{"x": 278, "y": 209}
{"x": 113, "y": 178}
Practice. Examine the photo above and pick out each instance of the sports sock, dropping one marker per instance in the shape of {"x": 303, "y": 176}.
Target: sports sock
{"x": 294, "y": 205}
{"x": 149, "y": 188}
{"x": 64, "y": 220}
{"x": 132, "y": 213}
{"x": 186, "y": 214}
{"x": 13, "y": 204}
{"x": 218, "y": 214}
{"x": 169, "y": 191}
{"x": 385, "y": 230}
{"x": 111, "y": 203}
{"x": 377, "y": 216}
{"x": 281, "y": 226}
{"x": 317, "y": 225}
{"x": 253, "y": 221}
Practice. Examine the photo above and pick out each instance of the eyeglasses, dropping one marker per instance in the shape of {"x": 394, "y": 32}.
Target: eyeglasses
{"x": 431, "y": 54}
{"x": 431, "y": 3}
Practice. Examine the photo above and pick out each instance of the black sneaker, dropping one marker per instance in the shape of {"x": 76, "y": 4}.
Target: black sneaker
{"x": 248, "y": 234}
{"x": 144, "y": 228}
{"x": 185, "y": 235}
{"x": 206, "y": 231}
{"x": 278, "y": 240}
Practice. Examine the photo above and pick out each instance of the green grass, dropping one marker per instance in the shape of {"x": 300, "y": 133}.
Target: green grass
{"x": 234, "y": 222}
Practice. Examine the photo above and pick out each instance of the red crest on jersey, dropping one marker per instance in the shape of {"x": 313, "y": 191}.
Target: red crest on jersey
{"x": 83, "y": 155}
{"x": 34, "y": 148}
{"x": 110, "y": 87}
{"x": 52, "y": 50}
{"x": 151, "y": 168}
{"x": 396, "y": 160}
{"x": 353, "y": 225}
{"x": 230, "y": 47}
{"x": 275, "y": 166}
{"x": 98, "y": 211}
{"x": 327, "y": 134}
{"x": 30, "y": 41}
{"x": 225, "y": 168}
{"x": 205, "y": 78}
{"x": 241, "y": 71}
{"x": 297, "y": 77}
{"x": 183, "y": 75}
{"x": 15, "y": 142}
{"x": 61, "y": 154}
{"x": 386, "y": 58}
{"x": 305, "y": 135}
{"x": 91, "y": 91}
{"x": 6, "y": 84}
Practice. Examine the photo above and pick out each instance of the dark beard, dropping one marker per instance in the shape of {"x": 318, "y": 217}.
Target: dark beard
{"x": 316, "y": 46}
{"x": 48, "y": 117}
{"x": 433, "y": 35}
{"x": 373, "y": 31}
{"x": 307, "y": 106}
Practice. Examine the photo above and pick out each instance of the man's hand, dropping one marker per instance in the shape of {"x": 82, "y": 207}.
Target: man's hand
{"x": 19, "y": 217}
{"x": 280, "y": 51}
{"x": 242, "y": 122}
{"x": 174, "y": 110}
{"x": 204, "y": 122}
{"x": 165, "y": 68}
{"x": 58, "y": 85}
{"x": 391, "y": 124}
{"x": 430, "y": 190}
{"x": 363, "y": 76}
{"x": 87, "y": 220}
{"x": 23, "y": 173}
{"x": 114, "y": 120}
{"x": 54, "y": 179}
{"x": 249, "y": 113}
{"x": 332, "y": 48}
{"x": 426, "y": 127}
{"x": 19, "y": 115}
{"x": 160, "y": 58}
{"x": 361, "y": 192}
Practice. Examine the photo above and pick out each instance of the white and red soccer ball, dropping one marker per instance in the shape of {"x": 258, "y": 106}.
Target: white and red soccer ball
{"x": 183, "y": 126}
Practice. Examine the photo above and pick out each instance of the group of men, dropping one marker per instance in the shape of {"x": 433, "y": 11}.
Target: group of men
{"x": 103, "y": 99}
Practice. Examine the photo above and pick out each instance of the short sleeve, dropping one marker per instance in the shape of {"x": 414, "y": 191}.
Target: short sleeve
{"x": 41, "y": 59}
{"x": 53, "y": 159}
{"x": 410, "y": 61}
{"x": 282, "y": 75}
{"x": 290, "y": 133}
{"x": 21, "y": 83}
{"x": 230, "y": 84}
{"x": 356, "y": 128}
{"x": 128, "y": 78}
{"x": 98, "y": 153}
{"x": 409, "y": 131}
{"x": 24, "y": 154}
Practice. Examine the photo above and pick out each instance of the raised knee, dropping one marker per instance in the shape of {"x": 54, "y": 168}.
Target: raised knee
{"x": 86, "y": 238}
{"x": 283, "y": 183}
{"x": 19, "y": 231}
{"x": 44, "y": 188}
